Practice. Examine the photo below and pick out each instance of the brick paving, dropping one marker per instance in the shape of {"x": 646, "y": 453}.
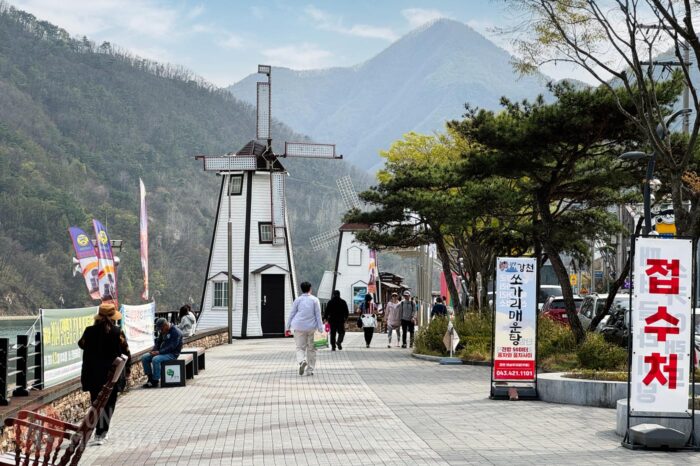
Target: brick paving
{"x": 362, "y": 406}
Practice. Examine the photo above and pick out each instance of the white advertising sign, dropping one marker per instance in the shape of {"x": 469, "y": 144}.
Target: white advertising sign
{"x": 137, "y": 323}
{"x": 172, "y": 374}
{"x": 661, "y": 322}
{"x": 516, "y": 317}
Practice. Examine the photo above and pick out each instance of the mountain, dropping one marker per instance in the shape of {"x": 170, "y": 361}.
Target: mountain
{"x": 416, "y": 84}
{"x": 79, "y": 124}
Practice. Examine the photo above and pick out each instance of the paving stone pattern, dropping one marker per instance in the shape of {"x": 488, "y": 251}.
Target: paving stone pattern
{"x": 362, "y": 406}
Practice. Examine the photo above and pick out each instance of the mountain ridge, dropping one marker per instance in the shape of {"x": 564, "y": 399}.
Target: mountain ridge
{"x": 415, "y": 84}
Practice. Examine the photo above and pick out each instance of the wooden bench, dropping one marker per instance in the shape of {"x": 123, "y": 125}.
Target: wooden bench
{"x": 198, "y": 353}
{"x": 171, "y": 372}
{"x": 43, "y": 438}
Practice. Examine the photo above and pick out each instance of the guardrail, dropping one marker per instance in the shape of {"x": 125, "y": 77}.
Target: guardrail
{"x": 20, "y": 366}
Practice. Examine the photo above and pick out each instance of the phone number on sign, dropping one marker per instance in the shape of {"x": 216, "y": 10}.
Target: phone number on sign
{"x": 517, "y": 370}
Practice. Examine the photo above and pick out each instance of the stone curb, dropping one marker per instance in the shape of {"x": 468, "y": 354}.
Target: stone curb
{"x": 426, "y": 357}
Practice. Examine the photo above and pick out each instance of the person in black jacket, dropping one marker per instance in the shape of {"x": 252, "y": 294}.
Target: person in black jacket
{"x": 101, "y": 343}
{"x": 336, "y": 314}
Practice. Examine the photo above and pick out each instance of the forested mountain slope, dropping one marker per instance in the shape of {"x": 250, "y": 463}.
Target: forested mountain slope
{"x": 79, "y": 124}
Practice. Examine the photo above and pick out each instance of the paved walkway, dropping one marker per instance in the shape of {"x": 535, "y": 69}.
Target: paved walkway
{"x": 362, "y": 406}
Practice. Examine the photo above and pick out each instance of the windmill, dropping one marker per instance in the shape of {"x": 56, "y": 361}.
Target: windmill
{"x": 354, "y": 260}
{"x": 250, "y": 279}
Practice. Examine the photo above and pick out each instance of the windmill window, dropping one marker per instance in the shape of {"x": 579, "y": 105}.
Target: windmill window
{"x": 235, "y": 185}
{"x": 220, "y": 294}
{"x": 354, "y": 256}
{"x": 265, "y": 232}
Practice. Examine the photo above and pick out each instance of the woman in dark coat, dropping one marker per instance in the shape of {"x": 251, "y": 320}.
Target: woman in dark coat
{"x": 102, "y": 343}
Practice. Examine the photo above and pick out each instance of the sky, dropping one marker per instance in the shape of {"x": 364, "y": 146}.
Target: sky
{"x": 223, "y": 41}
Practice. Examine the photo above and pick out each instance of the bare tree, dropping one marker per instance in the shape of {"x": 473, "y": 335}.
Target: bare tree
{"x": 618, "y": 43}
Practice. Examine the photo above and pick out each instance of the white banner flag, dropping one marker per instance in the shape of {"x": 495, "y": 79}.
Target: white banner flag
{"x": 661, "y": 323}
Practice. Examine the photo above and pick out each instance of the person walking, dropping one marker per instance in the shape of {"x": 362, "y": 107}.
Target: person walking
{"x": 368, "y": 315}
{"x": 408, "y": 318}
{"x": 305, "y": 320}
{"x": 188, "y": 322}
{"x": 439, "y": 309}
{"x": 336, "y": 314}
{"x": 393, "y": 318}
{"x": 102, "y": 343}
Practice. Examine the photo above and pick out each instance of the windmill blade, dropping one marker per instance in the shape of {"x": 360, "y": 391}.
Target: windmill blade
{"x": 310, "y": 151}
{"x": 277, "y": 187}
{"x": 348, "y": 193}
{"x": 263, "y": 111}
{"x": 228, "y": 163}
{"x": 324, "y": 239}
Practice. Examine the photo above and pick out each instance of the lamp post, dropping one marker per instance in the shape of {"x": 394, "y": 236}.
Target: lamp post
{"x": 661, "y": 132}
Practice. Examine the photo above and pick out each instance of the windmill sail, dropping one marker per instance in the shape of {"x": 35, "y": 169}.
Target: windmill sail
{"x": 322, "y": 240}
{"x": 264, "y": 112}
{"x": 310, "y": 150}
{"x": 277, "y": 186}
{"x": 348, "y": 193}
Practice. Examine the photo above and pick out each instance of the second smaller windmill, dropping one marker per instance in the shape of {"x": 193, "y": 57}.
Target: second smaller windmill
{"x": 354, "y": 262}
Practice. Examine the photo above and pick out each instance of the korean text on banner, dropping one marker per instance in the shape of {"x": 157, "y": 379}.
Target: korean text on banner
{"x": 85, "y": 253}
{"x": 516, "y": 317}
{"x": 137, "y": 323}
{"x": 143, "y": 235}
{"x": 61, "y": 330}
{"x": 661, "y": 325}
{"x": 107, "y": 274}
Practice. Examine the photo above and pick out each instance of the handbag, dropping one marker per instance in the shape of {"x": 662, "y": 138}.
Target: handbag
{"x": 368, "y": 321}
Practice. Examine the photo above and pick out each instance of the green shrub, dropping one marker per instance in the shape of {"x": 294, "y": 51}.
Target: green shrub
{"x": 596, "y": 353}
{"x": 553, "y": 338}
{"x": 429, "y": 338}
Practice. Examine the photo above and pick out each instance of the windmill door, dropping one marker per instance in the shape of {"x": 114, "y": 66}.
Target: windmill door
{"x": 272, "y": 316}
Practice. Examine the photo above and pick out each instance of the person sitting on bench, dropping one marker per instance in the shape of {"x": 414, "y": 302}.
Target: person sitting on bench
{"x": 167, "y": 347}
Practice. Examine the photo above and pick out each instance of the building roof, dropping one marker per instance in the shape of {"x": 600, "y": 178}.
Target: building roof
{"x": 353, "y": 227}
{"x": 253, "y": 147}
{"x": 225, "y": 274}
{"x": 267, "y": 266}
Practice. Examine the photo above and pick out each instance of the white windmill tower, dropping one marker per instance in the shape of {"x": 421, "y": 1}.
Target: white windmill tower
{"x": 251, "y": 237}
{"x": 351, "y": 273}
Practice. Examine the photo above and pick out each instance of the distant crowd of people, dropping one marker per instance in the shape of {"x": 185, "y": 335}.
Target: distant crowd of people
{"x": 305, "y": 320}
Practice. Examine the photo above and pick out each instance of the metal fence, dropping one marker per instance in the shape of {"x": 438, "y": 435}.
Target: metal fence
{"x": 20, "y": 366}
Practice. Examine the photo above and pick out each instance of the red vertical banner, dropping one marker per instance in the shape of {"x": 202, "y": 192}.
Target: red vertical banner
{"x": 107, "y": 274}
{"x": 143, "y": 235}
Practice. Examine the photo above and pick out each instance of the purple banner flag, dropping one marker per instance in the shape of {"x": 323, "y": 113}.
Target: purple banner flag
{"x": 85, "y": 253}
{"x": 107, "y": 274}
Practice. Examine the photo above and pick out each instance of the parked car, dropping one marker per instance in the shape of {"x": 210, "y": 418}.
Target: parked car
{"x": 595, "y": 302}
{"x": 555, "y": 309}
{"x": 547, "y": 291}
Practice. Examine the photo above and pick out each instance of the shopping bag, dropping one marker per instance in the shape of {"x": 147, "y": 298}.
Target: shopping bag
{"x": 320, "y": 340}
{"x": 368, "y": 320}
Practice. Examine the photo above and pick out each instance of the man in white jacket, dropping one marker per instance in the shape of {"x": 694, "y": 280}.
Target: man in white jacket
{"x": 305, "y": 319}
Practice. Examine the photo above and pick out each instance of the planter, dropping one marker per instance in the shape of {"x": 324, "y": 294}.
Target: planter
{"x": 554, "y": 388}
{"x": 683, "y": 425}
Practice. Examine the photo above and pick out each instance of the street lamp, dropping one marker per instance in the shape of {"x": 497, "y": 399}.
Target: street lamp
{"x": 661, "y": 132}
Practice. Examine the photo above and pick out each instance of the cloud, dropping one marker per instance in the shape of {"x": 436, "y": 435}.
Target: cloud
{"x": 419, "y": 16}
{"x": 298, "y": 56}
{"x": 230, "y": 41}
{"x": 88, "y": 17}
{"x": 329, "y": 22}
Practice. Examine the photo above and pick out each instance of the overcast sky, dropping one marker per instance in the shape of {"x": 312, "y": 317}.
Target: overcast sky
{"x": 223, "y": 41}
